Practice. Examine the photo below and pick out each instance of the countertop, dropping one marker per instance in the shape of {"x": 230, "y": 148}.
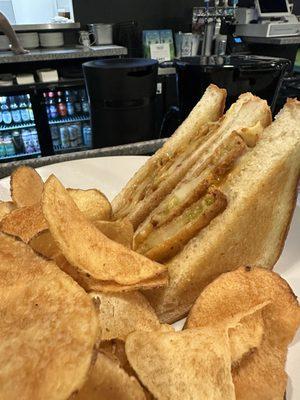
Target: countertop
{"x": 141, "y": 148}
{"x": 62, "y": 53}
{"x": 283, "y": 40}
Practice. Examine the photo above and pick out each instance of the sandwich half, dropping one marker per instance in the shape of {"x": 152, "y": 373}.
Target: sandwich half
{"x": 260, "y": 191}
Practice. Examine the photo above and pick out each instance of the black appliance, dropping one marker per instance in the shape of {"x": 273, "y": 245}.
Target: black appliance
{"x": 238, "y": 74}
{"x": 122, "y": 99}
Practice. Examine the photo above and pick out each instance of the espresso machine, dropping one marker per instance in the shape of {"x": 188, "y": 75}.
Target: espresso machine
{"x": 216, "y": 25}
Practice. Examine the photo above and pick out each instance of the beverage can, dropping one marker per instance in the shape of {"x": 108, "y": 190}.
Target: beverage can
{"x": 87, "y": 135}
{"x": 9, "y": 146}
{"x": 2, "y": 147}
{"x": 27, "y": 140}
{"x": 35, "y": 140}
{"x": 64, "y": 136}
{"x": 73, "y": 131}
{"x": 55, "y": 137}
{"x": 79, "y": 137}
{"x": 18, "y": 142}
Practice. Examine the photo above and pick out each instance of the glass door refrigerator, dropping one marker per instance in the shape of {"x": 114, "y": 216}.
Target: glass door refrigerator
{"x": 68, "y": 117}
{"x": 18, "y": 130}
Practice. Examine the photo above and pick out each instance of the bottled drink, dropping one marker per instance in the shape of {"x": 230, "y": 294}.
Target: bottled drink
{"x": 31, "y": 115}
{"x": 84, "y": 102}
{"x": 24, "y": 109}
{"x": 87, "y": 135}
{"x": 69, "y": 103}
{"x": 15, "y": 112}
{"x": 27, "y": 140}
{"x": 52, "y": 105}
{"x": 61, "y": 105}
{"x": 6, "y": 114}
{"x": 77, "y": 102}
{"x": 18, "y": 142}
{"x": 47, "y": 105}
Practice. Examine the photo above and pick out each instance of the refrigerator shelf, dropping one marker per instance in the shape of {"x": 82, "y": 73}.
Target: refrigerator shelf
{"x": 17, "y": 126}
{"x": 67, "y": 120}
{"x": 20, "y": 156}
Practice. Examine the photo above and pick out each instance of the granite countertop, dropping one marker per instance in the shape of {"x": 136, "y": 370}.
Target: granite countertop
{"x": 141, "y": 148}
{"x": 62, "y": 53}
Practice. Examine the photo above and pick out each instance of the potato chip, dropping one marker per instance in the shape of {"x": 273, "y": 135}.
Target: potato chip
{"x": 26, "y": 186}
{"x": 44, "y": 245}
{"x": 5, "y": 208}
{"x": 119, "y": 231}
{"x": 237, "y": 292}
{"x": 192, "y": 364}
{"x": 91, "y": 285}
{"x": 25, "y": 222}
{"x": 108, "y": 381}
{"x": 48, "y": 327}
{"x": 92, "y": 203}
{"x": 115, "y": 349}
{"x": 260, "y": 375}
{"x": 123, "y": 313}
{"x": 90, "y": 252}
{"x": 246, "y": 336}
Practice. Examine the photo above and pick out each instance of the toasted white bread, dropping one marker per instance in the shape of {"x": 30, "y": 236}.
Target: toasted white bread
{"x": 261, "y": 195}
{"x": 131, "y": 202}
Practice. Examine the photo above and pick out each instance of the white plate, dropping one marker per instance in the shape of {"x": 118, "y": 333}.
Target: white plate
{"x": 111, "y": 173}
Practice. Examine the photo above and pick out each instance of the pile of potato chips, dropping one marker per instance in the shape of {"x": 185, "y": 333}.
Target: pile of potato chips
{"x": 74, "y": 323}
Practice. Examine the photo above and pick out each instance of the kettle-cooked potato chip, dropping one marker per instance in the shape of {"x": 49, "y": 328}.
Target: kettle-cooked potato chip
{"x": 90, "y": 252}
{"x": 123, "y": 313}
{"x": 192, "y": 364}
{"x": 26, "y": 186}
{"x": 44, "y": 245}
{"x": 260, "y": 375}
{"x": 25, "y": 222}
{"x": 48, "y": 327}
{"x": 246, "y": 335}
{"x": 237, "y": 292}
{"x": 120, "y": 231}
{"x": 115, "y": 349}
{"x": 108, "y": 381}
{"x": 93, "y": 203}
{"x": 5, "y": 208}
